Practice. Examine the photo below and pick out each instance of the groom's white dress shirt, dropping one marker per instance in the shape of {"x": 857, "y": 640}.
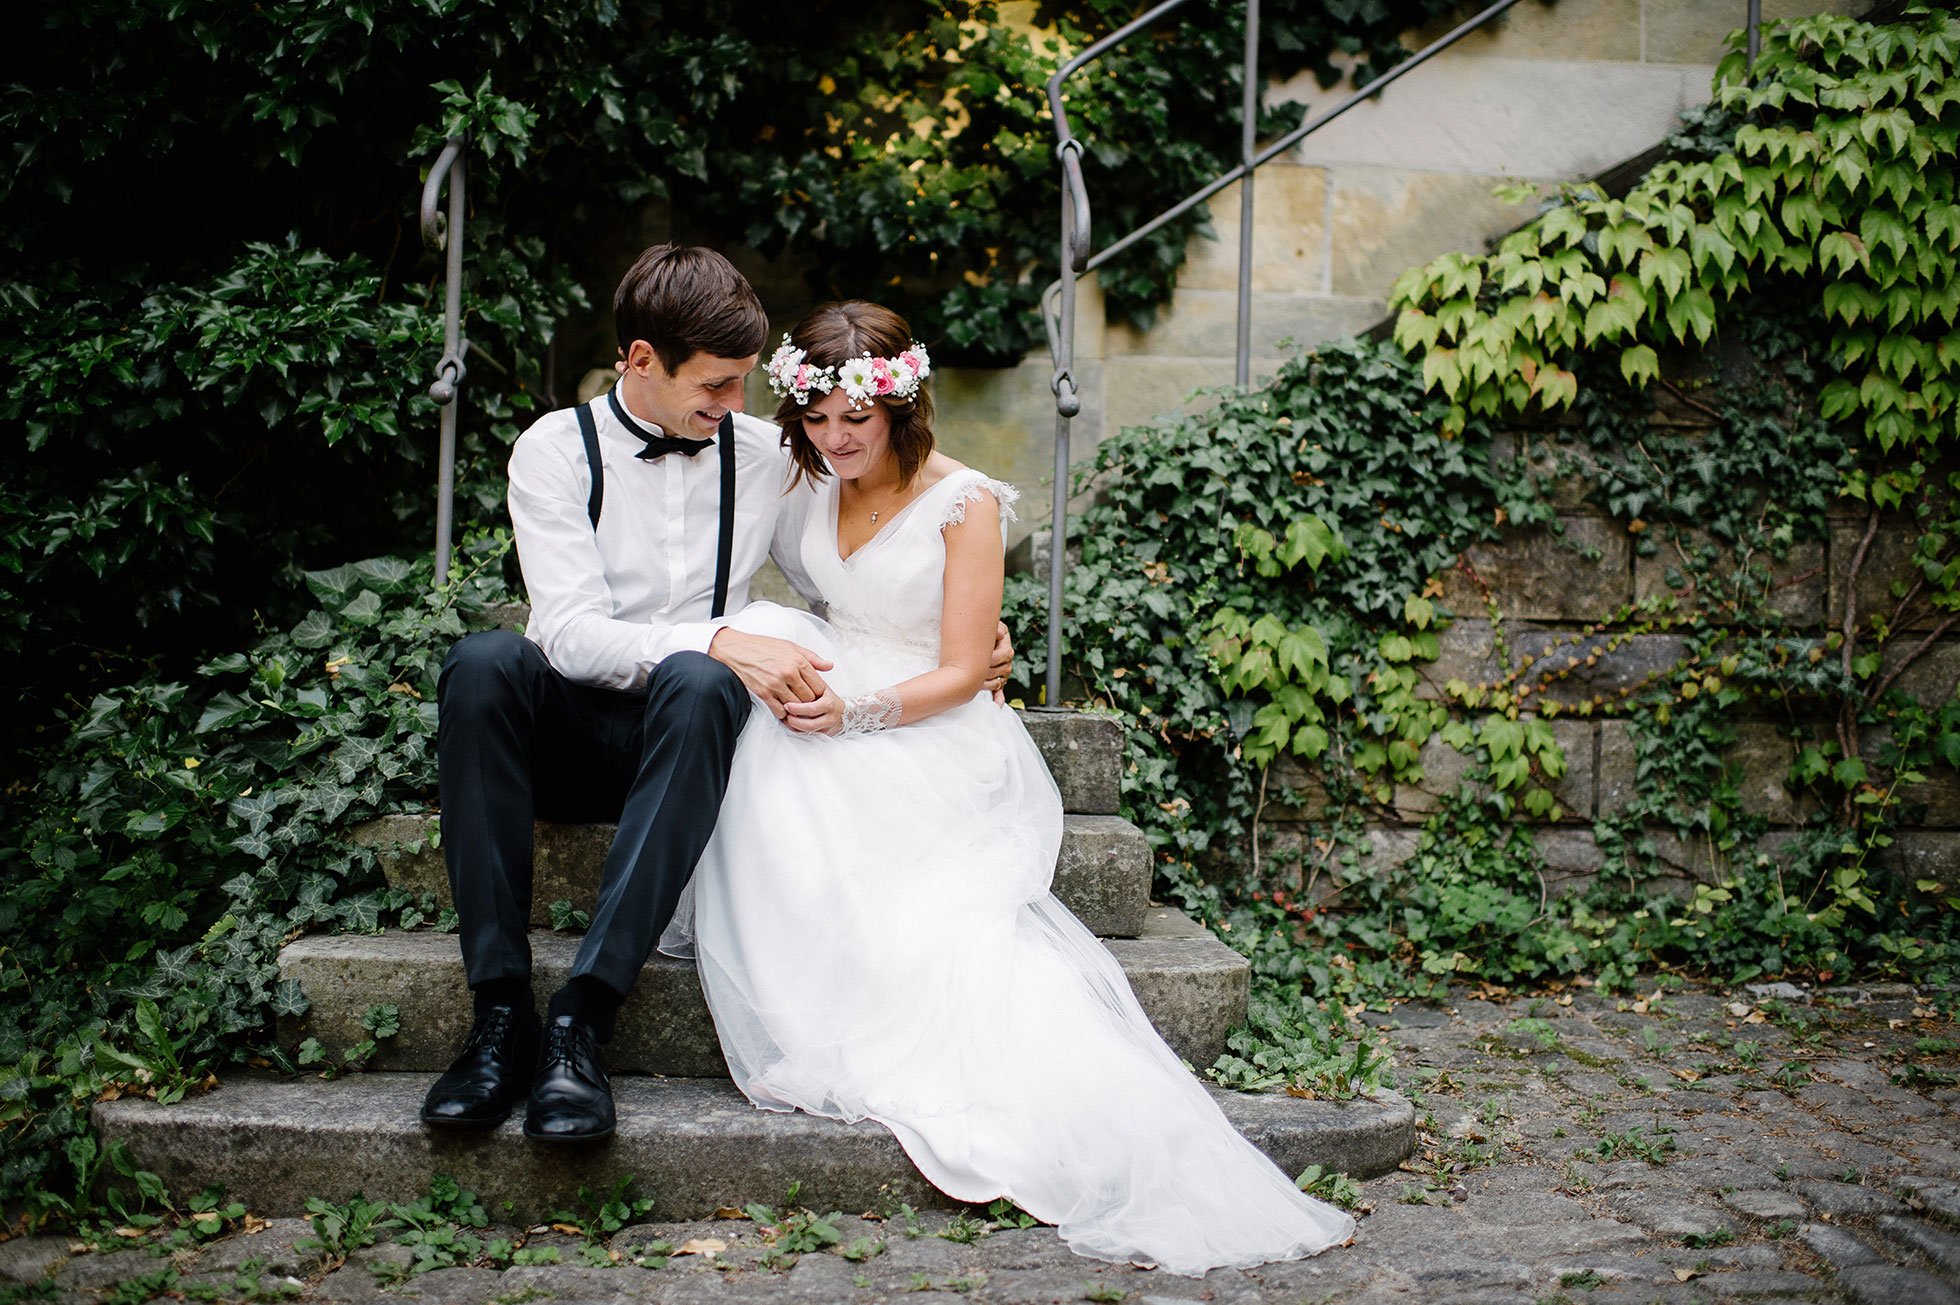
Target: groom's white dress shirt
{"x": 607, "y": 606}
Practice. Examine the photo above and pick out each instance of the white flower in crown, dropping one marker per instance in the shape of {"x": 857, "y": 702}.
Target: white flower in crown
{"x": 858, "y": 379}
{"x": 787, "y": 374}
{"x": 863, "y": 378}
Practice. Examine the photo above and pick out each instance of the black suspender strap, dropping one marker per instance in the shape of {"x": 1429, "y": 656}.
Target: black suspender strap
{"x": 725, "y": 539}
{"x": 589, "y": 431}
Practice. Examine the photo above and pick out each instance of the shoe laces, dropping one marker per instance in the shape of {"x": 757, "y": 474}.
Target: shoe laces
{"x": 490, "y": 1029}
{"x": 561, "y": 1044}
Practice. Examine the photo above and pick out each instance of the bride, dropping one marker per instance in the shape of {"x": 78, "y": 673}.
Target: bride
{"x": 872, "y": 919}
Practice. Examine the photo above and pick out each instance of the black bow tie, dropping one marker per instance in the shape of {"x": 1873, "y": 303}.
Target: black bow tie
{"x": 657, "y": 445}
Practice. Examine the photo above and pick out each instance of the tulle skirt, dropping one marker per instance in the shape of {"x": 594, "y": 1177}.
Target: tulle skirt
{"x": 876, "y": 938}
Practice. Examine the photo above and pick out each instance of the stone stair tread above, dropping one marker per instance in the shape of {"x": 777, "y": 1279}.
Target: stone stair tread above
{"x": 1193, "y": 987}
{"x": 1102, "y": 875}
{"x": 1085, "y": 755}
{"x": 692, "y": 1146}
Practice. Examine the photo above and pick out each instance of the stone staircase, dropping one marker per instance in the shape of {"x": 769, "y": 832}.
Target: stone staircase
{"x": 687, "y": 1136}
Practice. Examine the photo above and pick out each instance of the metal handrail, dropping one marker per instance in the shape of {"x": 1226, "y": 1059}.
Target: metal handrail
{"x": 1076, "y": 261}
{"x": 440, "y": 236}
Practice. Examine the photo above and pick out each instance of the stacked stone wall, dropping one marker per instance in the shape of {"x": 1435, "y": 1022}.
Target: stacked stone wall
{"x": 1551, "y": 585}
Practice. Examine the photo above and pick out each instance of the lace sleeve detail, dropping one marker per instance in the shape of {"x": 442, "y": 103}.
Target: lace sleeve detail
{"x": 1003, "y": 493}
{"x": 873, "y": 711}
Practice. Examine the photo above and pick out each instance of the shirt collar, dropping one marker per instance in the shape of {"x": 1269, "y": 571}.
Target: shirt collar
{"x": 628, "y": 432}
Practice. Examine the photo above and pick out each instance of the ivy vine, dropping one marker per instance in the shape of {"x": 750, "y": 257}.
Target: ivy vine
{"x": 1664, "y": 357}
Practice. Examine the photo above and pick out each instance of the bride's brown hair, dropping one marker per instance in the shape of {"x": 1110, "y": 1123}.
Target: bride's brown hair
{"x": 832, "y": 335}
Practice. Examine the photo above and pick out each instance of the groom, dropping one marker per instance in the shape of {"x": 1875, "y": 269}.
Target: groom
{"x": 640, "y": 519}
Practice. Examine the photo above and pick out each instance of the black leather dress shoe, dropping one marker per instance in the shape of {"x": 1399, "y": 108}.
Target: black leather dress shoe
{"x": 481, "y": 1086}
{"x": 571, "y": 1098}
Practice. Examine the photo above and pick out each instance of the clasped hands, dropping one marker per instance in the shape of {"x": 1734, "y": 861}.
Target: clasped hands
{"x": 789, "y": 677}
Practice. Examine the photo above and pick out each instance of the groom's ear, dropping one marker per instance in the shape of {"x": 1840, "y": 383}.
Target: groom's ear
{"x": 641, "y": 360}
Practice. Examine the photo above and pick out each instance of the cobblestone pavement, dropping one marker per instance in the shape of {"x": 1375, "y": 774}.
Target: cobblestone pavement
{"x": 1704, "y": 1146}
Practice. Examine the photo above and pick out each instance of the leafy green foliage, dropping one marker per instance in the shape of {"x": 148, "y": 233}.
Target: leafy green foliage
{"x": 183, "y": 830}
{"x": 1171, "y": 625}
{"x": 1005, "y": 1214}
{"x": 606, "y": 1210}
{"x": 1283, "y": 1045}
{"x": 382, "y": 1021}
{"x": 1329, "y": 1185}
{"x": 1654, "y": 1148}
{"x": 1822, "y": 187}
{"x": 173, "y": 394}
{"x": 1826, "y": 180}
{"x": 1541, "y": 1031}
{"x": 340, "y": 1230}
{"x": 1723, "y": 463}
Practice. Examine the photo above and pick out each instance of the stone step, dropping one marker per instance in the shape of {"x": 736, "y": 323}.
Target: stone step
{"x": 1102, "y": 874}
{"x": 692, "y": 1146}
{"x": 1192, "y": 986}
{"x": 1085, "y": 755}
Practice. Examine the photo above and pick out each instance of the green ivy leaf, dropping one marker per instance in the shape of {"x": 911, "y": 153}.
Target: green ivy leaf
{"x": 1639, "y": 364}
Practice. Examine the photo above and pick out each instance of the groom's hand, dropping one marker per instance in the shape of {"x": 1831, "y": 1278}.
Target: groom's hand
{"x": 774, "y": 670}
{"x": 1002, "y": 666}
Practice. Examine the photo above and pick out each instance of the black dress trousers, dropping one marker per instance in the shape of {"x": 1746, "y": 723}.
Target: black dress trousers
{"x": 517, "y": 741}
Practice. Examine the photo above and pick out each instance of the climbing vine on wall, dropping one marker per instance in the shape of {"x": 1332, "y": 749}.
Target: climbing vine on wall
{"x": 1836, "y": 187}
{"x": 1675, "y": 358}
{"x": 1832, "y": 176}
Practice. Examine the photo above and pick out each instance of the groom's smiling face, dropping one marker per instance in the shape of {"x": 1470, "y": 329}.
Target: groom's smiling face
{"x": 691, "y": 400}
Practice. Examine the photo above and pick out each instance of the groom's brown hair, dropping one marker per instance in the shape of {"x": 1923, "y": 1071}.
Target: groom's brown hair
{"x": 684, "y": 300}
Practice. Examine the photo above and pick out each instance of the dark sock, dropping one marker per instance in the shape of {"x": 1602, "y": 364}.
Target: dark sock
{"x": 503, "y": 992}
{"x": 590, "y": 1002}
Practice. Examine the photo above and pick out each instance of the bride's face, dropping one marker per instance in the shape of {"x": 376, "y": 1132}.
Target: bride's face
{"x": 856, "y": 441}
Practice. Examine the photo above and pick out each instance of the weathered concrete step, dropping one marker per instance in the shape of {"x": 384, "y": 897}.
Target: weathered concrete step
{"x": 1102, "y": 874}
{"x": 1192, "y": 986}
{"x": 1085, "y": 755}
{"x": 692, "y": 1146}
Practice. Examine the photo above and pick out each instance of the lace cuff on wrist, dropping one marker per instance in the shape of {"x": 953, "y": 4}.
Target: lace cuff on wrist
{"x": 872, "y": 711}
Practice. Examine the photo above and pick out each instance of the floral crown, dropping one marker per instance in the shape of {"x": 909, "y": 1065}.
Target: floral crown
{"x": 862, "y": 379}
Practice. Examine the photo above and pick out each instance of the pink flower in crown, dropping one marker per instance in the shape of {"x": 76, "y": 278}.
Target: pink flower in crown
{"x": 803, "y": 376}
{"x": 915, "y": 360}
{"x": 881, "y": 376}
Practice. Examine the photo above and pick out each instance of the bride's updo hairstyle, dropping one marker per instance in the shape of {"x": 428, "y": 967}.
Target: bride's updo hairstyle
{"x": 833, "y": 334}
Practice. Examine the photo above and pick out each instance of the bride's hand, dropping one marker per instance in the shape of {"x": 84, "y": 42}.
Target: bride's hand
{"x": 1001, "y": 666}
{"x": 824, "y": 716}
{"x": 775, "y": 670}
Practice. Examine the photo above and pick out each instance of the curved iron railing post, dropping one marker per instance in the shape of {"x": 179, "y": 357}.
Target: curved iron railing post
{"x": 1068, "y": 400}
{"x": 447, "y": 387}
{"x": 1248, "y": 148}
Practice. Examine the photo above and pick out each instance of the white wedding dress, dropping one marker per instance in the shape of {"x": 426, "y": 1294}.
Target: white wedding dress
{"x": 875, "y": 934}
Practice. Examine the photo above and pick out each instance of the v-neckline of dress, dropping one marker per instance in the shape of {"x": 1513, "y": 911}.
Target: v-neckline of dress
{"x": 836, "y": 516}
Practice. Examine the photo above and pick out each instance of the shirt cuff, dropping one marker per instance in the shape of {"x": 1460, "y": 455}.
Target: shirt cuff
{"x": 690, "y": 636}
